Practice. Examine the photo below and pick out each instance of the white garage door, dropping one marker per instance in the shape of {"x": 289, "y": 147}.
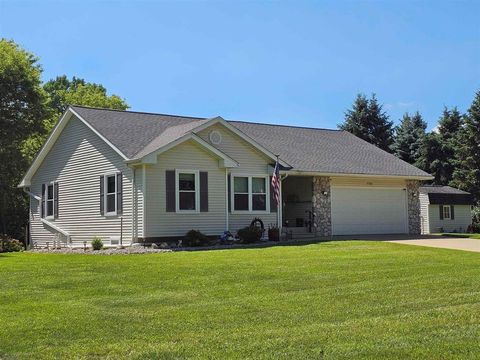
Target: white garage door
{"x": 368, "y": 211}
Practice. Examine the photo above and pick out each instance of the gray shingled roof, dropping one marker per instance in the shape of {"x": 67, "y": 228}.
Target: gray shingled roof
{"x": 441, "y": 189}
{"x": 439, "y": 194}
{"x": 305, "y": 149}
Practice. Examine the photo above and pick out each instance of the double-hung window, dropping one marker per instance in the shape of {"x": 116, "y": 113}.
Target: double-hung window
{"x": 187, "y": 188}
{"x": 49, "y": 200}
{"x": 250, "y": 193}
{"x": 111, "y": 194}
{"x": 446, "y": 212}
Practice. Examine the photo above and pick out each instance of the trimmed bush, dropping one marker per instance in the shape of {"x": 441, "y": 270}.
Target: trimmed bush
{"x": 8, "y": 244}
{"x": 97, "y": 243}
{"x": 195, "y": 238}
{"x": 250, "y": 234}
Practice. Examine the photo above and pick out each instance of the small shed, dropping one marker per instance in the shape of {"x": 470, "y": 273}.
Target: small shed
{"x": 444, "y": 209}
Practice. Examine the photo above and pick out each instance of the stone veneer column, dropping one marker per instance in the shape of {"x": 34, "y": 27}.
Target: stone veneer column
{"x": 322, "y": 205}
{"x": 414, "y": 226}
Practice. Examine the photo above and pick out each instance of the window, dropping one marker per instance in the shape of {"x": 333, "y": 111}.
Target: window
{"x": 259, "y": 194}
{"x": 241, "y": 194}
{"x": 111, "y": 194}
{"x": 187, "y": 190}
{"x": 446, "y": 211}
{"x": 250, "y": 193}
{"x": 49, "y": 200}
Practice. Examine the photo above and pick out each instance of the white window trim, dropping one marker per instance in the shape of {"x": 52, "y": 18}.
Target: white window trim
{"x": 449, "y": 212}
{"x": 45, "y": 205}
{"x": 250, "y": 194}
{"x": 197, "y": 191}
{"x": 105, "y": 193}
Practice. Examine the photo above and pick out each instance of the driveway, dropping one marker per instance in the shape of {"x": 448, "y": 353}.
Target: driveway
{"x": 443, "y": 242}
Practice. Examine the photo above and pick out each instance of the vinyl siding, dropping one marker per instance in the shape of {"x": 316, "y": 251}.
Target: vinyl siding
{"x": 424, "y": 213}
{"x": 186, "y": 156}
{"x": 76, "y": 161}
{"x": 463, "y": 218}
{"x": 251, "y": 162}
{"x": 366, "y": 182}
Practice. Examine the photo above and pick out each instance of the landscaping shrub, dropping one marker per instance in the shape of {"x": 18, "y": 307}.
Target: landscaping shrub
{"x": 195, "y": 238}
{"x": 97, "y": 243}
{"x": 8, "y": 244}
{"x": 250, "y": 234}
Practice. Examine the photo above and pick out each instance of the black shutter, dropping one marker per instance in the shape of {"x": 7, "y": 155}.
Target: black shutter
{"x": 42, "y": 202}
{"x": 441, "y": 212}
{"x": 229, "y": 186}
{"x": 55, "y": 200}
{"x": 170, "y": 190}
{"x": 102, "y": 195}
{"x": 119, "y": 193}
{"x": 452, "y": 212}
{"x": 273, "y": 203}
{"x": 203, "y": 191}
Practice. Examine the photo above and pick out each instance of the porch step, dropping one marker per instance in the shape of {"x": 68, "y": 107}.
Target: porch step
{"x": 300, "y": 234}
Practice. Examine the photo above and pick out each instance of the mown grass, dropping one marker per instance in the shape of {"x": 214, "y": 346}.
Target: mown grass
{"x": 336, "y": 300}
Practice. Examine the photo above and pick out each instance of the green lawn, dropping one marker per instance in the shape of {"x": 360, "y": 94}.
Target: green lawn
{"x": 335, "y": 300}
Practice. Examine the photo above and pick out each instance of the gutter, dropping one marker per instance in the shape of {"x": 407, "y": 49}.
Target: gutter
{"x": 36, "y": 197}
{"x": 313, "y": 173}
{"x": 57, "y": 229}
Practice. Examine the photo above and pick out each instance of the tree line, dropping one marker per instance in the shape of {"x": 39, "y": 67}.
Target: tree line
{"x": 450, "y": 152}
{"x": 30, "y": 108}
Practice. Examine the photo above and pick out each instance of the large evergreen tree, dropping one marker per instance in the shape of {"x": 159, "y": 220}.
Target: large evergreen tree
{"x": 466, "y": 175}
{"x": 428, "y": 156}
{"x": 368, "y": 121}
{"x": 437, "y": 154}
{"x": 410, "y": 135}
{"x": 23, "y": 106}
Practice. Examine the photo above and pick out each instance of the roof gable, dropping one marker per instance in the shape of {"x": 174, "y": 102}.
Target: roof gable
{"x": 53, "y": 137}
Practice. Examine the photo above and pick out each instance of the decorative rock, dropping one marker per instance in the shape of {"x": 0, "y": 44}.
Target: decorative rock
{"x": 322, "y": 205}
{"x": 414, "y": 224}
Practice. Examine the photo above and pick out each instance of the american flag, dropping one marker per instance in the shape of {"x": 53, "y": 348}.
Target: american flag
{"x": 276, "y": 183}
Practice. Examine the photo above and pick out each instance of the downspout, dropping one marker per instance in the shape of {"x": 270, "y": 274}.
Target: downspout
{"x": 227, "y": 225}
{"x": 144, "y": 188}
{"x": 134, "y": 207}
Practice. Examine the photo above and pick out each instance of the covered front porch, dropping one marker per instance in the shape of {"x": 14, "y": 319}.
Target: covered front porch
{"x": 305, "y": 206}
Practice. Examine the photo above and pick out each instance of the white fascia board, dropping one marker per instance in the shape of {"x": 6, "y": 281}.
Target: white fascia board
{"x": 45, "y": 149}
{"x": 52, "y": 138}
{"x": 242, "y": 135}
{"x": 226, "y": 161}
{"x": 313, "y": 173}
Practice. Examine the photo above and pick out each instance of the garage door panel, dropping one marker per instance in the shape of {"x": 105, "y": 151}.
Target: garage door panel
{"x": 368, "y": 211}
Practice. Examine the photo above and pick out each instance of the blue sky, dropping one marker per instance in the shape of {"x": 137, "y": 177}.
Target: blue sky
{"x": 299, "y": 63}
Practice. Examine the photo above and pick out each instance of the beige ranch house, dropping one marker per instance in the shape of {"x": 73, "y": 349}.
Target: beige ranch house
{"x": 132, "y": 177}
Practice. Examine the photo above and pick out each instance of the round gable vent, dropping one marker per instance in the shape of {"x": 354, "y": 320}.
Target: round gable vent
{"x": 215, "y": 137}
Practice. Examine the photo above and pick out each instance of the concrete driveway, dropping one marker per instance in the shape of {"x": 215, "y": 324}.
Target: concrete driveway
{"x": 443, "y": 242}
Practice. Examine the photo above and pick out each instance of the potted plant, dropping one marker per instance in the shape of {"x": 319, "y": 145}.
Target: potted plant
{"x": 273, "y": 233}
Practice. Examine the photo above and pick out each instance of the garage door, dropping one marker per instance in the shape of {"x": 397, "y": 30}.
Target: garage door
{"x": 368, "y": 211}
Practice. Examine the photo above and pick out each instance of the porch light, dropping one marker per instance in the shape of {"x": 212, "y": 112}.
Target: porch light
{"x": 325, "y": 193}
